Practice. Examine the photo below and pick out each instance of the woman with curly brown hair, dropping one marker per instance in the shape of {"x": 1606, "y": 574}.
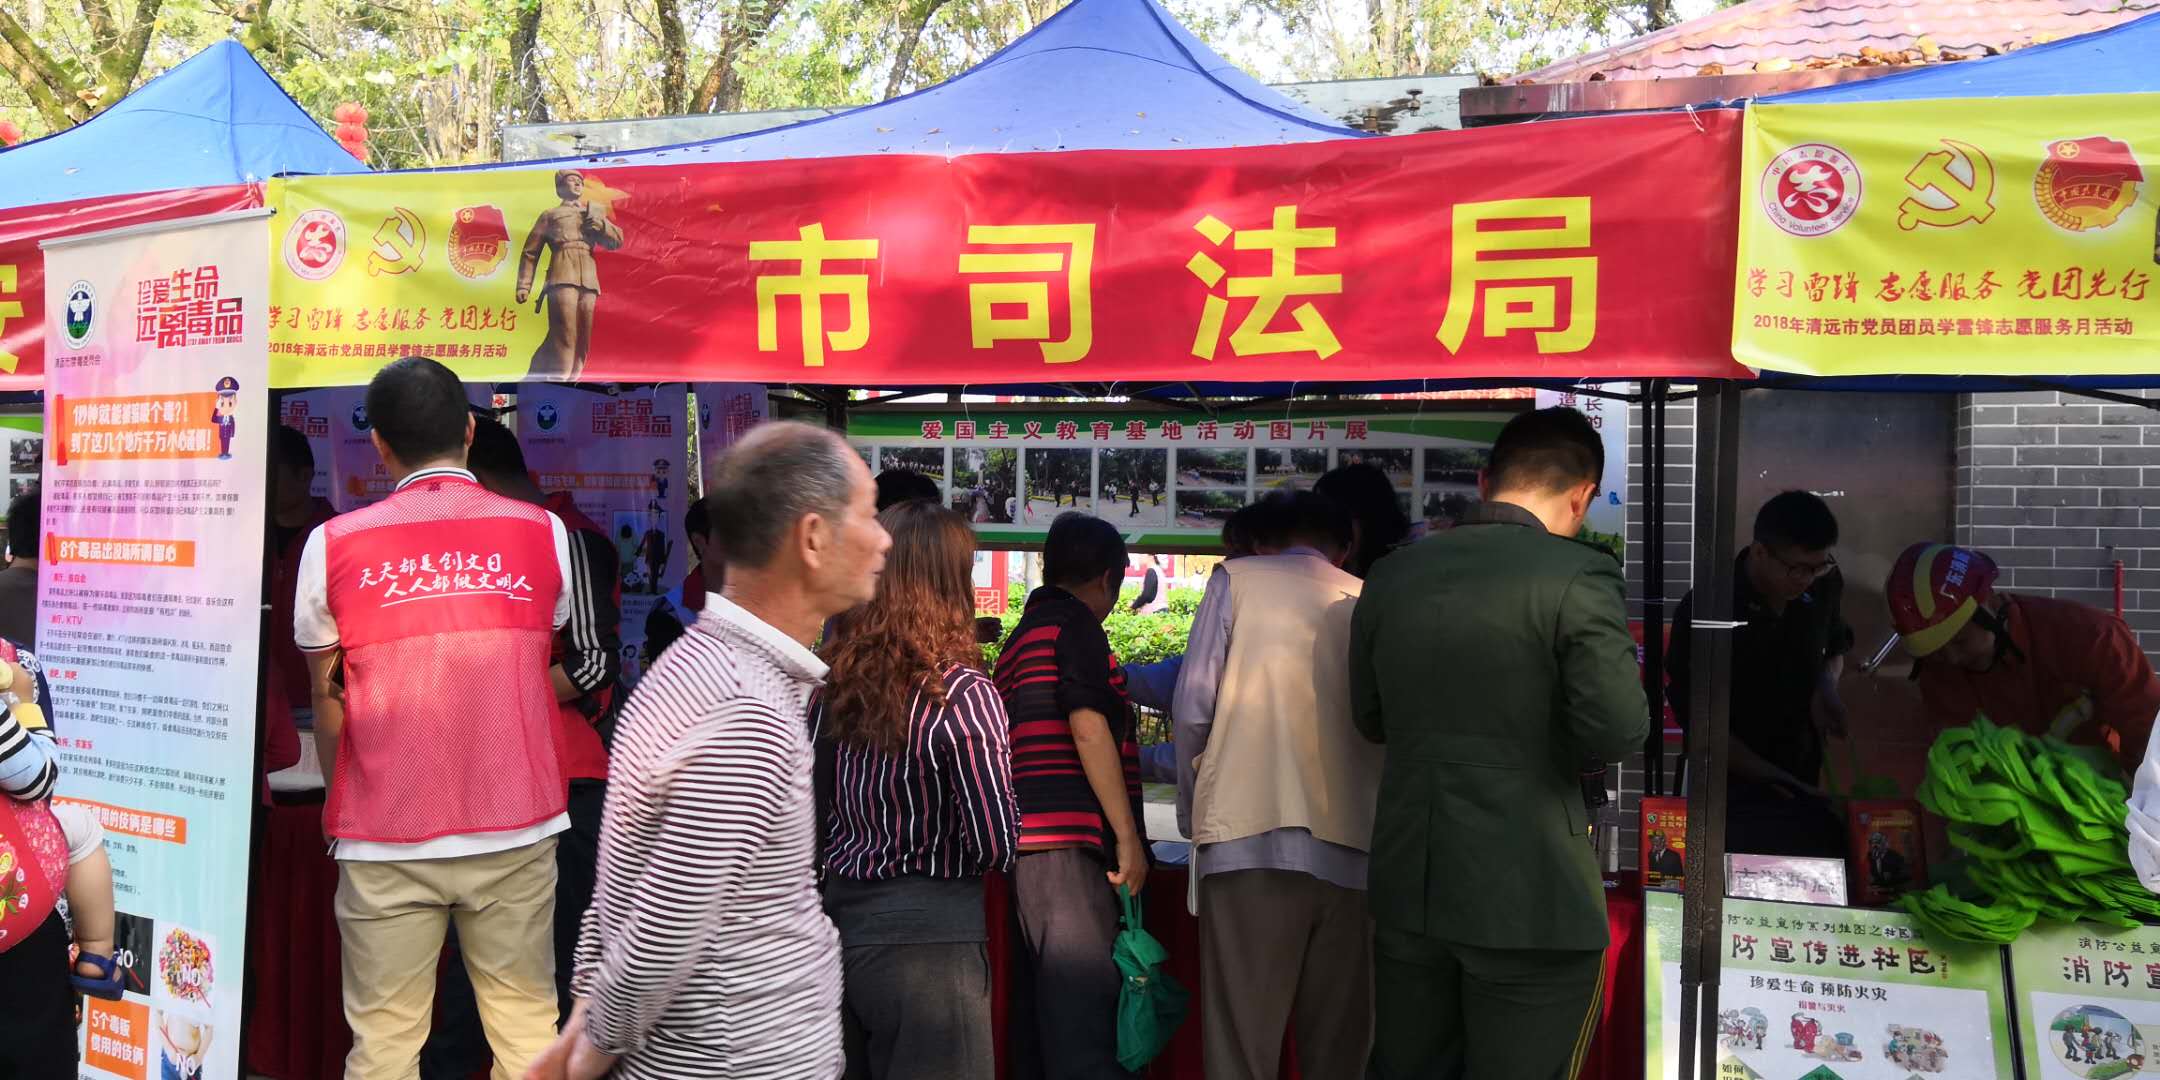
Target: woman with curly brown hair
{"x": 916, "y": 804}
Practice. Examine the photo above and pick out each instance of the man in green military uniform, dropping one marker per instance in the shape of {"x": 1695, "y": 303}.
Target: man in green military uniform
{"x": 1495, "y": 663}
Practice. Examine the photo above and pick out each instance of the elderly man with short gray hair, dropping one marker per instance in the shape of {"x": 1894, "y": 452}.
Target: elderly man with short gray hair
{"x": 709, "y": 807}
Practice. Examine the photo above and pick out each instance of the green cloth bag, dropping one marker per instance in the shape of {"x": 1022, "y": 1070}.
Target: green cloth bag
{"x": 1151, "y": 1004}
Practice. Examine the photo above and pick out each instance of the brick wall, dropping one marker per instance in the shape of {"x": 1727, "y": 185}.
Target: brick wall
{"x": 2058, "y": 489}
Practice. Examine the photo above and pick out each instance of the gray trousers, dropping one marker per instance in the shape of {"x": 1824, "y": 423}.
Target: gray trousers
{"x": 918, "y": 1012}
{"x": 1279, "y": 947}
{"x": 1068, "y": 915}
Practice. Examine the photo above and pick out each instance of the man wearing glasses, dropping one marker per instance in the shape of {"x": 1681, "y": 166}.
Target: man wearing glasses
{"x": 1786, "y": 658}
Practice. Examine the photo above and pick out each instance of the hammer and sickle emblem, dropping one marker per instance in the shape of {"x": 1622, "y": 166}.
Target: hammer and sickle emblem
{"x": 400, "y": 244}
{"x": 1969, "y": 200}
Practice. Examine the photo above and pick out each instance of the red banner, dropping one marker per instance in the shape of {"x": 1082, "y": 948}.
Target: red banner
{"x": 1597, "y": 247}
{"x": 22, "y": 265}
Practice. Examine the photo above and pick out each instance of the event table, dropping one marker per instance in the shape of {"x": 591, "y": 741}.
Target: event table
{"x": 297, "y": 1030}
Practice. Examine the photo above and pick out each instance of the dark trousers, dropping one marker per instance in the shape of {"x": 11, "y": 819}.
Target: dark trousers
{"x": 458, "y": 1048}
{"x": 918, "y": 1012}
{"x": 1068, "y": 915}
{"x": 37, "y": 1013}
{"x": 1278, "y": 944}
{"x": 1460, "y": 1012}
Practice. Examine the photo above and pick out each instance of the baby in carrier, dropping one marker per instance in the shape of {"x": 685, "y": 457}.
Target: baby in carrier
{"x": 28, "y": 769}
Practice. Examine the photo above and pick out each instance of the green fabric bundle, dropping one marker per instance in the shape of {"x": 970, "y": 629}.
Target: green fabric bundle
{"x": 2041, "y": 826}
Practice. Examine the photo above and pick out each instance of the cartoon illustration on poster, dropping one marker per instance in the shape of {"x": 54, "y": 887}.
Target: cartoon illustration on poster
{"x": 1811, "y": 993}
{"x": 1169, "y": 481}
{"x": 155, "y": 486}
{"x": 619, "y": 457}
{"x": 2089, "y": 1005}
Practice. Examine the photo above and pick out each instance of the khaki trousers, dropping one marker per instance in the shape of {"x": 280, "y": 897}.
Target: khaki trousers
{"x": 392, "y": 917}
{"x": 1278, "y": 949}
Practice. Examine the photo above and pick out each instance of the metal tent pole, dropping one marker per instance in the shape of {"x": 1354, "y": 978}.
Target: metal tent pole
{"x": 1653, "y": 599}
{"x": 1717, "y": 479}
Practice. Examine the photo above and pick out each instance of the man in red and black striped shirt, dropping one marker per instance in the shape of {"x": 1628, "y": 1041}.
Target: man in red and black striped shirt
{"x": 1076, "y": 773}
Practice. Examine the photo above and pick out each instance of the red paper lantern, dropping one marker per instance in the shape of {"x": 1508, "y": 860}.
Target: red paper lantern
{"x": 9, "y": 133}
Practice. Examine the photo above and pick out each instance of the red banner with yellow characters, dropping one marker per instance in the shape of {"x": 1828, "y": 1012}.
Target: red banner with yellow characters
{"x": 2011, "y": 236}
{"x": 1576, "y": 248}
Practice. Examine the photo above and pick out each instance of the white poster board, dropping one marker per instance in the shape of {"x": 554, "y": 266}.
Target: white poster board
{"x": 149, "y": 600}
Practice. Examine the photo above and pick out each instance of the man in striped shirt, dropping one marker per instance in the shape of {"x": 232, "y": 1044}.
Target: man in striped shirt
{"x": 1076, "y": 771}
{"x": 706, "y": 951}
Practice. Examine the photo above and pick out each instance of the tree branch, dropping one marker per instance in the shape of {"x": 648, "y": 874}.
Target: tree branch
{"x": 917, "y": 19}
{"x": 41, "y": 78}
{"x": 529, "y": 98}
{"x": 721, "y": 89}
{"x": 674, "y": 58}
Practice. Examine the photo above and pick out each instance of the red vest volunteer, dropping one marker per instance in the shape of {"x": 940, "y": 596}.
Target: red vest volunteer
{"x": 445, "y": 599}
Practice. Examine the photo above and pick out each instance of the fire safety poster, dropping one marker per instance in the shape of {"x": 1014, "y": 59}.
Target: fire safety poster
{"x": 622, "y": 458}
{"x": 150, "y": 608}
{"x": 2088, "y": 1001}
{"x": 1828, "y": 993}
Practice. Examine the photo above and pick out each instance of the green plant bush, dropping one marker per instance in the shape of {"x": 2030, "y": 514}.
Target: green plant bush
{"x": 1134, "y": 639}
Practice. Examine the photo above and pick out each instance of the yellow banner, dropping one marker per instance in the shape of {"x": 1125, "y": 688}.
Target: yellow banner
{"x": 2011, "y": 236}
{"x": 365, "y": 269}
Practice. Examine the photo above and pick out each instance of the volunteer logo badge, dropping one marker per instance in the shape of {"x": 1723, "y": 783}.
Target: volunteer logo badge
{"x": 81, "y": 310}
{"x": 315, "y": 245}
{"x": 479, "y": 242}
{"x": 359, "y": 417}
{"x": 547, "y": 416}
{"x": 2086, "y": 184}
{"x": 1811, "y": 190}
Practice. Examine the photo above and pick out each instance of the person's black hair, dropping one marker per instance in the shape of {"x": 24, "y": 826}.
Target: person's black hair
{"x": 419, "y": 408}
{"x": 23, "y": 523}
{"x": 289, "y": 449}
{"x": 1256, "y": 526}
{"x": 903, "y": 485}
{"x": 1312, "y": 519}
{"x": 1081, "y": 549}
{"x": 495, "y": 452}
{"x": 697, "y": 521}
{"x": 1546, "y": 451}
{"x": 1796, "y": 519}
{"x": 1370, "y": 498}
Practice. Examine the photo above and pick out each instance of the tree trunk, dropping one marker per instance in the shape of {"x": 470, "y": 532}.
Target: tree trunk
{"x": 41, "y": 78}
{"x": 674, "y": 59}
{"x": 721, "y": 89}
{"x": 528, "y": 97}
{"x": 916, "y": 19}
{"x": 1659, "y": 14}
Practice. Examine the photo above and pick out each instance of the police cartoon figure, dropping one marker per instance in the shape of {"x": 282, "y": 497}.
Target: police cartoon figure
{"x": 226, "y": 415}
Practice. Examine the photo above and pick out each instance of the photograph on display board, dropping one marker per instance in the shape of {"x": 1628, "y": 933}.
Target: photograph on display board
{"x": 984, "y": 484}
{"x": 1664, "y": 847}
{"x": 26, "y": 454}
{"x": 1057, "y": 481}
{"x": 2090, "y": 1007}
{"x": 1451, "y": 479}
{"x": 926, "y": 460}
{"x": 1207, "y": 509}
{"x": 1203, "y": 469}
{"x": 1298, "y": 468}
{"x": 1135, "y": 486}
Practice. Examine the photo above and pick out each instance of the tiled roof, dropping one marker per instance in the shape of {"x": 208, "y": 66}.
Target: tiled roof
{"x": 1777, "y": 35}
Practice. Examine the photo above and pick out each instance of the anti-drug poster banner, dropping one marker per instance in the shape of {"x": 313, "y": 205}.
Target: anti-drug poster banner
{"x": 1170, "y": 480}
{"x": 149, "y": 600}
{"x": 621, "y": 458}
{"x": 348, "y": 471}
{"x": 1599, "y": 247}
{"x": 2014, "y": 237}
{"x": 725, "y": 411}
{"x": 2088, "y": 1001}
{"x": 1826, "y": 993}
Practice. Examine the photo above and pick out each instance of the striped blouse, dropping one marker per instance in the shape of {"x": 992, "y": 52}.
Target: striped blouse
{"x": 706, "y": 951}
{"x": 944, "y": 809}
{"x": 1055, "y": 662}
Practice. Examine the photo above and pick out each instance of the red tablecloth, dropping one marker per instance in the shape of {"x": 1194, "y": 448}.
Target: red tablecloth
{"x": 298, "y": 1031}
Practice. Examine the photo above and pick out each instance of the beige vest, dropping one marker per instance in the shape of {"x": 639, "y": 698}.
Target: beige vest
{"x": 1282, "y": 752}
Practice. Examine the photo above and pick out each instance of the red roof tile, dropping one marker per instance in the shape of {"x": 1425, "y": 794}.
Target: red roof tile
{"x": 1798, "y": 32}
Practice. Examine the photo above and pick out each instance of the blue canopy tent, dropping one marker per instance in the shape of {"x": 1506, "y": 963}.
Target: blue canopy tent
{"x": 1098, "y": 75}
{"x": 218, "y": 118}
